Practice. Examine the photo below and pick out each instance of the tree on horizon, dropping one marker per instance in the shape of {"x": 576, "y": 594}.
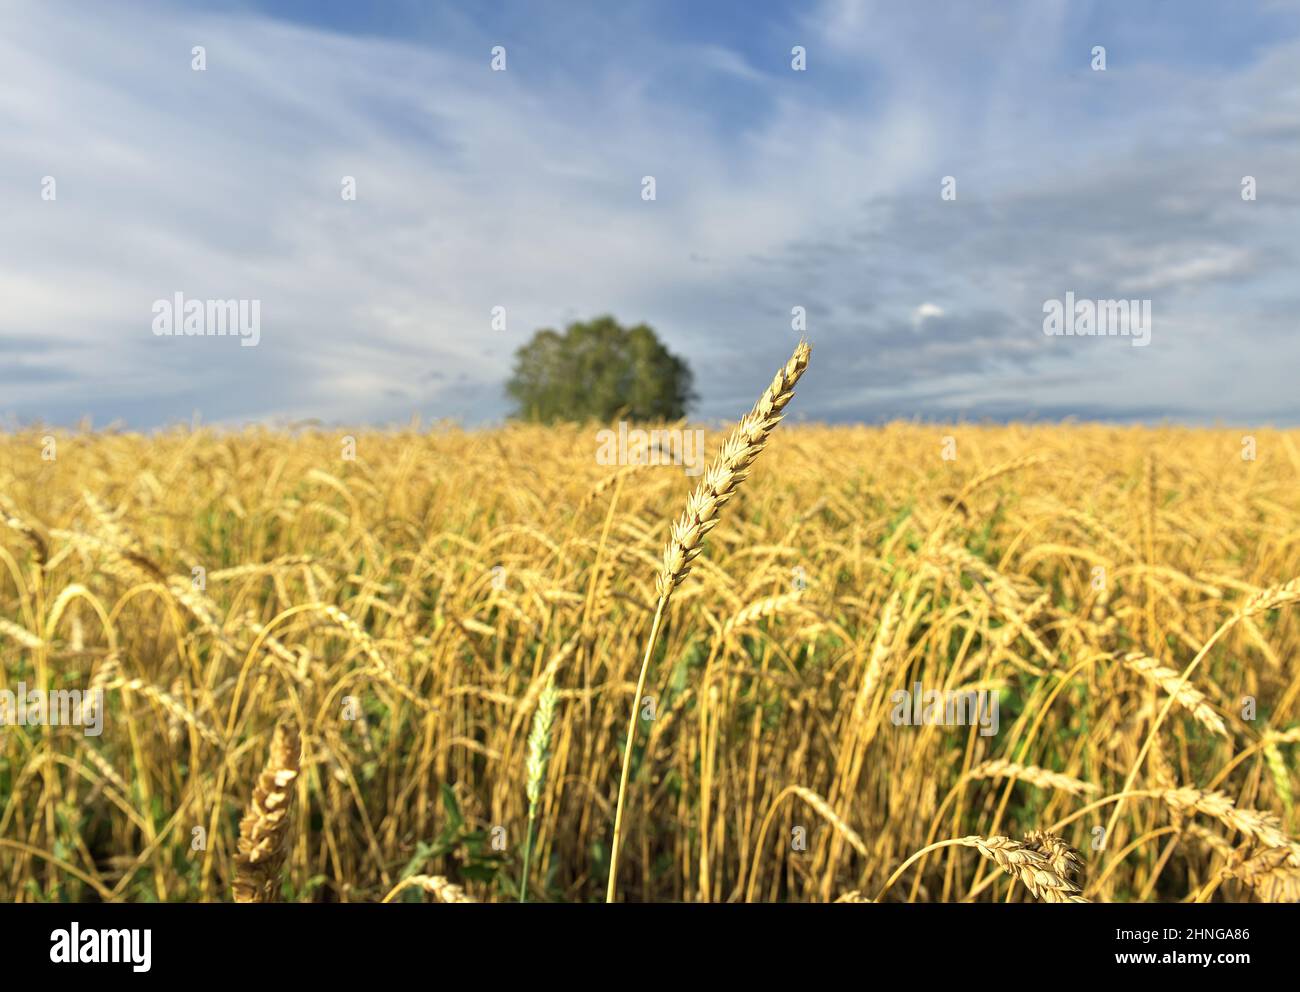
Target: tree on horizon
{"x": 598, "y": 370}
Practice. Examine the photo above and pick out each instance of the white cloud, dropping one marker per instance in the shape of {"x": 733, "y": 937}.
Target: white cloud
{"x": 924, "y": 311}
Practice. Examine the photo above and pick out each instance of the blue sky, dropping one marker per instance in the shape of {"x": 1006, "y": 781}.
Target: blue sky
{"x": 774, "y": 189}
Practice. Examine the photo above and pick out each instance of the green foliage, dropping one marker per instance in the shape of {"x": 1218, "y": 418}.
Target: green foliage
{"x": 599, "y": 370}
{"x": 472, "y": 848}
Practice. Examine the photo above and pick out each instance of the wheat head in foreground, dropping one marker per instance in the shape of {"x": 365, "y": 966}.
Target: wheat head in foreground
{"x": 539, "y": 755}
{"x": 264, "y": 830}
{"x": 1038, "y": 870}
{"x": 1044, "y": 863}
{"x": 729, "y": 469}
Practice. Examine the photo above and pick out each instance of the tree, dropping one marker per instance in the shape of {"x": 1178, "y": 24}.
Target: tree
{"x": 599, "y": 370}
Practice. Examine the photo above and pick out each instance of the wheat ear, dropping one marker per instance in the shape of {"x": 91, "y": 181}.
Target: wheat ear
{"x": 10, "y": 516}
{"x": 1040, "y": 864}
{"x": 1041, "y": 777}
{"x": 1171, "y": 682}
{"x": 853, "y": 895}
{"x": 539, "y": 753}
{"x": 264, "y": 830}
{"x": 1273, "y": 872}
{"x": 1034, "y": 868}
{"x": 1065, "y": 860}
{"x": 1258, "y": 826}
{"x": 437, "y": 886}
{"x": 1276, "y": 762}
{"x": 728, "y": 471}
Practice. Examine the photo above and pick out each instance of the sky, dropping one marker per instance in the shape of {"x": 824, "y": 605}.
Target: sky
{"x": 128, "y": 176}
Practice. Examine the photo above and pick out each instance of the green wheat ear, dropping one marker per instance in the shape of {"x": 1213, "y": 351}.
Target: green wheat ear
{"x": 539, "y": 745}
{"x": 1281, "y": 776}
{"x": 539, "y": 753}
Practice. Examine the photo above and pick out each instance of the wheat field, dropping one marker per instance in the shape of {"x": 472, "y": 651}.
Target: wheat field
{"x": 350, "y": 655}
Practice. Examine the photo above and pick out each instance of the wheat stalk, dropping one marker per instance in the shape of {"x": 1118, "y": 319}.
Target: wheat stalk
{"x": 728, "y": 471}
{"x": 539, "y": 754}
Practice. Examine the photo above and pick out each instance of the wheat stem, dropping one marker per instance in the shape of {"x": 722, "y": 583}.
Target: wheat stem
{"x": 728, "y": 471}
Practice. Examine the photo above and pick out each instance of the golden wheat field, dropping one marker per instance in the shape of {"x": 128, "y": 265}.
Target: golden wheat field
{"x": 1126, "y": 595}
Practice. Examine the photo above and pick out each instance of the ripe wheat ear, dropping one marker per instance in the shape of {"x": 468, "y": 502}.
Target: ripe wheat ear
{"x": 729, "y": 469}
{"x": 1043, "y": 864}
{"x": 264, "y": 830}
